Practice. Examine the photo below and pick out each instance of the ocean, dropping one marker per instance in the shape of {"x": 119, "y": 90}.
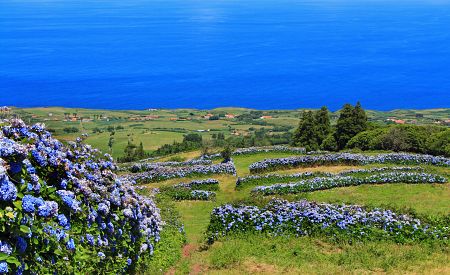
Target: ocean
{"x": 280, "y": 54}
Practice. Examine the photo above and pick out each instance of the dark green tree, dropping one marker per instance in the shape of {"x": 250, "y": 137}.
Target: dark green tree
{"x": 351, "y": 121}
{"x": 323, "y": 126}
{"x": 226, "y": 154}
{"x": 360, "y": 118}
{"x": 306, "y": 134}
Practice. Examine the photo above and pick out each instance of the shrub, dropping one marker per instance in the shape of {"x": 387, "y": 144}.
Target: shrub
{"x": 280, "y": 217}
{"x": 64, "y": 210}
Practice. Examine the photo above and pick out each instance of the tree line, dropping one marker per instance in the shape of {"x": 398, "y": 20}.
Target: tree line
{"x": 353, "y": 131}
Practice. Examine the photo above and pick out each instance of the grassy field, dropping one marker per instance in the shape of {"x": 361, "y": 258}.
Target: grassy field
{"x": 158, "y": 127}
{"x": 275, "y": 255}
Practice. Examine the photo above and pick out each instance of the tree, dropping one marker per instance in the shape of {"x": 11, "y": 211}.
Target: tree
{"x": 323, "y": 126}
{"x": 226, "y": 154}
{"x": 360, "y": 118}
{"x": 306, "y": 134}
{"x": 439, "y": 143}
{"x": 351, "y": 121}
{"x": 140, "y": 153}
{"x": 110, "y": 144}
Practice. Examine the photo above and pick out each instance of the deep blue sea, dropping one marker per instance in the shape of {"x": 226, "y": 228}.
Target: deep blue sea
{"x": 286, "y": 54}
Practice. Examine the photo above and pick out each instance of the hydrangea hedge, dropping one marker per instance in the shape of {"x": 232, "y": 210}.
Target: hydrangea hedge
{"x": 347, "y": 222}
{"x": 257, "y": 150}
{"x": 206, "y": 184}
{"x": 282, "y": 178}
{"x": 64, "y": 210}
{"x": 322, "y": 183}
{"x": 346, "y": 159}
{"x": 147, "y": 166}
{"x": 161, "y": 173}
{"x": 185, "y": 193}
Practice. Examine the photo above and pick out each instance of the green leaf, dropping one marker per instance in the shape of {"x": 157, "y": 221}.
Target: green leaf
{"x": 3, "y": 256}
{"x": 13, "y": 260}
{"x": 18, "y": 204}
{"x": 25, "y": 229}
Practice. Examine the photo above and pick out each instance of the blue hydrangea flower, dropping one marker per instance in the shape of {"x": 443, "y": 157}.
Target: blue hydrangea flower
{"x": 3, "y": 268}
{"x": 8, "y": 191}
{"x": 70, "y": 244}
{"x": 48, "y": 209}
{"x": 63, "y": 221}
{"x": 5, "y": 247}
{"x": 21, "y": 244}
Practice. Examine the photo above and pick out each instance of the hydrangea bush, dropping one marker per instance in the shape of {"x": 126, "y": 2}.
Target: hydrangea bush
{"x": 322, "y": 183}
{"x": 206, "y": 184}
{"x": 281, "y": 178}
{"x": 256, "y": 150}
{"x": 281, "y": 217}
{"x": 185, "y": 193}
{"x": 148, "y": 166}
{"x": 64, "y": 210}
{"x": 161, "y": 173}
{"x": 347, "y": 159}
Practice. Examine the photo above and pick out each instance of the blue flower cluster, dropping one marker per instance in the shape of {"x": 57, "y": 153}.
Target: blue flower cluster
{"x": 267, "y": 149}
{"x": 206, "y": 184}
{"x": 281, "y": 178}
{"x": 322, "y": 183}
{"x": 281, "y": 217}
{"x": 148, "y": 166}
{"x": 346, "y": 158}
{"x": 164, "y": 173}
{"x": 256, "y": 150}
{"x": 63, "y": 203}
{"x": 183, "y": 193}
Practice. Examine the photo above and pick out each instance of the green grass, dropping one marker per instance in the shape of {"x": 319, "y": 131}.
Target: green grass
{"x": 251, "y": 254}
{"x": 431, "y": 199}
{"x": 260, "y": 254}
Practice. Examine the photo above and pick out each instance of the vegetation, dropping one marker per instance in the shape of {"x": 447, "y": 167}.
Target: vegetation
{"x": 333, "y": 250}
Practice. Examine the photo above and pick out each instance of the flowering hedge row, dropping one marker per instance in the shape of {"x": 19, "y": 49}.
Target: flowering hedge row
{"x": 207, "y": 184}
{"x": 188, "y": 194}
{"x": 276, "y": 178}
{"x": 281, "y": 217}
{"x": 147, "y": 166}
{"x": 281, "y": 178}
{"x": 62, "y": 208}
{"x": 256, "y": 150}
{"x": 165, "y": 173}
{"x": 346, "y": 158}
{"x": 198, "y": 190}
{"x": 267, "y": 149}
{"x": 322, "y": 183}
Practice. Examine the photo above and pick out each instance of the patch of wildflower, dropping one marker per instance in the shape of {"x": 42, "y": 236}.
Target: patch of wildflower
{"x": 281, "y": 217}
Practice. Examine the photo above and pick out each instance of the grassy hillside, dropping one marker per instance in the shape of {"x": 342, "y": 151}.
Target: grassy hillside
{"x": 249, "y": 254}
{"x": 157, "y": 127}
